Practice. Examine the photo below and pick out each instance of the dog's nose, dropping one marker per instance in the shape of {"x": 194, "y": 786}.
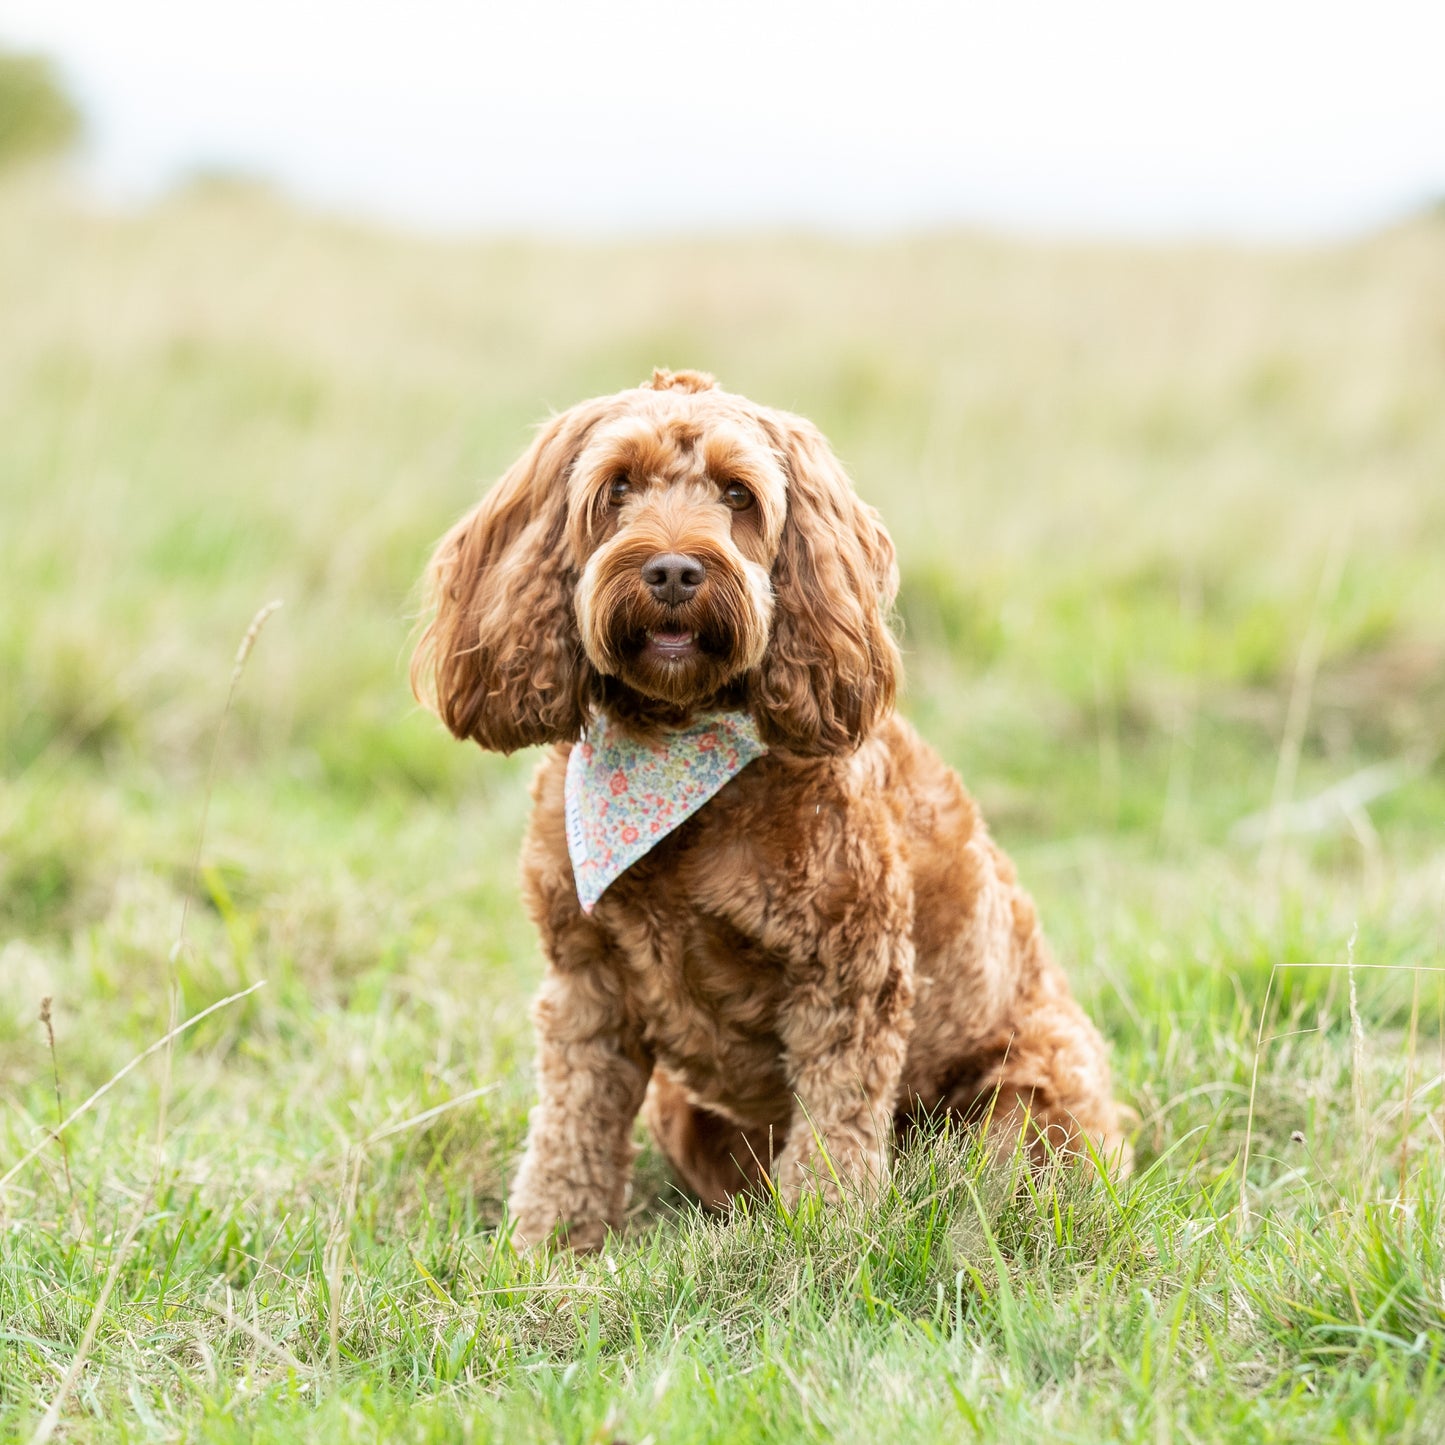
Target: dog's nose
{"x": 673, "y": 578}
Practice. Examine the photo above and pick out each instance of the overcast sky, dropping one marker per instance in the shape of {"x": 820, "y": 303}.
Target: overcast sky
{"x": 1139, "y": 117}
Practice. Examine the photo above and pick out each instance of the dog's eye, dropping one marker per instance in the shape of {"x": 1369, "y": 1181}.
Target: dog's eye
{"x": 618, "y": 492}
{"x": 737, "y": 496}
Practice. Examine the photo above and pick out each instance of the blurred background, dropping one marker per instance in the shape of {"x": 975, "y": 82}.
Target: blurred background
{"x": 1281, "y": 120}
{"x": 1131, "y": 321}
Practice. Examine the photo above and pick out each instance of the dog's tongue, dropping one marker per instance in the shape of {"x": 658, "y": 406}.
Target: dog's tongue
{"x": 672, "y": 639}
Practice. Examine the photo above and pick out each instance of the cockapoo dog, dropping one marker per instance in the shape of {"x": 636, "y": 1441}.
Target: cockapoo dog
{"x": 773, "y": 919}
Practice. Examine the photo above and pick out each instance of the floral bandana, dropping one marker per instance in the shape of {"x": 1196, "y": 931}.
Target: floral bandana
{"x": 625, "y": 796}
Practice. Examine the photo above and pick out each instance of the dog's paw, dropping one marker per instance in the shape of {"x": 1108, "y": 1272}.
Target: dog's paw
{"x": 536, "y": 1231}
{"x": 828, "y": 1168}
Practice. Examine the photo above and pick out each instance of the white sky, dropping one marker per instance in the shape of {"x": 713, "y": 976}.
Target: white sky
{"x": 1142, "y": 117}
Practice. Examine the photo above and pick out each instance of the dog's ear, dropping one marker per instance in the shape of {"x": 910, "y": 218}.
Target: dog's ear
{"x": 501, "y": 661}
{"x": 832, "y": 667}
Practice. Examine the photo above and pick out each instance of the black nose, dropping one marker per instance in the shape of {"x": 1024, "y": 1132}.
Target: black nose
{"x": 673, "y": 578}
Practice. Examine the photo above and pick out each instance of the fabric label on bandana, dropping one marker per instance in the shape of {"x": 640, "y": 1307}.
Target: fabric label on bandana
{"x": 625, "y": 796}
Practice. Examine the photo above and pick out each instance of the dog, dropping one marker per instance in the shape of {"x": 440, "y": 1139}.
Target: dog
{"x": 774, "y": 922}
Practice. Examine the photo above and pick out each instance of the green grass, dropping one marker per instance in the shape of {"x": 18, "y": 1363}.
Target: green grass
{"x": 1117, "y": 477}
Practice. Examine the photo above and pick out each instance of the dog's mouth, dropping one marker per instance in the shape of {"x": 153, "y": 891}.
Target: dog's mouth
{"x": 671, "y": 647}
{"x": 669, "y": 641}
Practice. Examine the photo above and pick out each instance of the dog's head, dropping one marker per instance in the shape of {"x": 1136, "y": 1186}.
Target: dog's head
{"x": 670, "y": 548}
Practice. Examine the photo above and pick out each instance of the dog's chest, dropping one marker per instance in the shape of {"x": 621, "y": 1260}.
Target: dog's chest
{"x": 705, "y": 995}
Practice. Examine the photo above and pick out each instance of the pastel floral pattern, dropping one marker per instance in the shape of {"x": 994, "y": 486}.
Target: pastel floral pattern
{"x": 625, "y": 796}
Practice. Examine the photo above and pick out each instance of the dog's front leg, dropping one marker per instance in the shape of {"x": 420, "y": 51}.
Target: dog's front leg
{"x": 845, "y": 1033}
{"x": 591, "y": 1078}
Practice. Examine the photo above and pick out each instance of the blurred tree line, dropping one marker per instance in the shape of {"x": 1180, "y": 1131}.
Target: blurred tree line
{"x": 38, "y": 119}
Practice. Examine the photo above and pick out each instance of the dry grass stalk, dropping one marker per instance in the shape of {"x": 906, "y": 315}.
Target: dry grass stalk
{"x": 1259, "y": 1043}
{"x": 1409, "y": 1084}
{"x": 1357, "y": 1040}
{"x": 243, "y": 652}
{"x": 338, "y": 1248}
{"x": 59, "y": 1100}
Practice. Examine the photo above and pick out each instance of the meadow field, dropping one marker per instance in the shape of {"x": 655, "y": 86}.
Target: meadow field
{"x": 1172, "y": 533}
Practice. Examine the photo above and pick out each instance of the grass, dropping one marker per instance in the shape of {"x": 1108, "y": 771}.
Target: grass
{"x": 1171, "y": 526}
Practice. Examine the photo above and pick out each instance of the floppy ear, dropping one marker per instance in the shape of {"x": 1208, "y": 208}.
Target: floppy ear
{"x": 501, "y": 661}
{"x": 831, "y": 670}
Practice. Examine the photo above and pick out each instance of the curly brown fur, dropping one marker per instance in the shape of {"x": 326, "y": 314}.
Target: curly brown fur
{"x": 833, "y": 945}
